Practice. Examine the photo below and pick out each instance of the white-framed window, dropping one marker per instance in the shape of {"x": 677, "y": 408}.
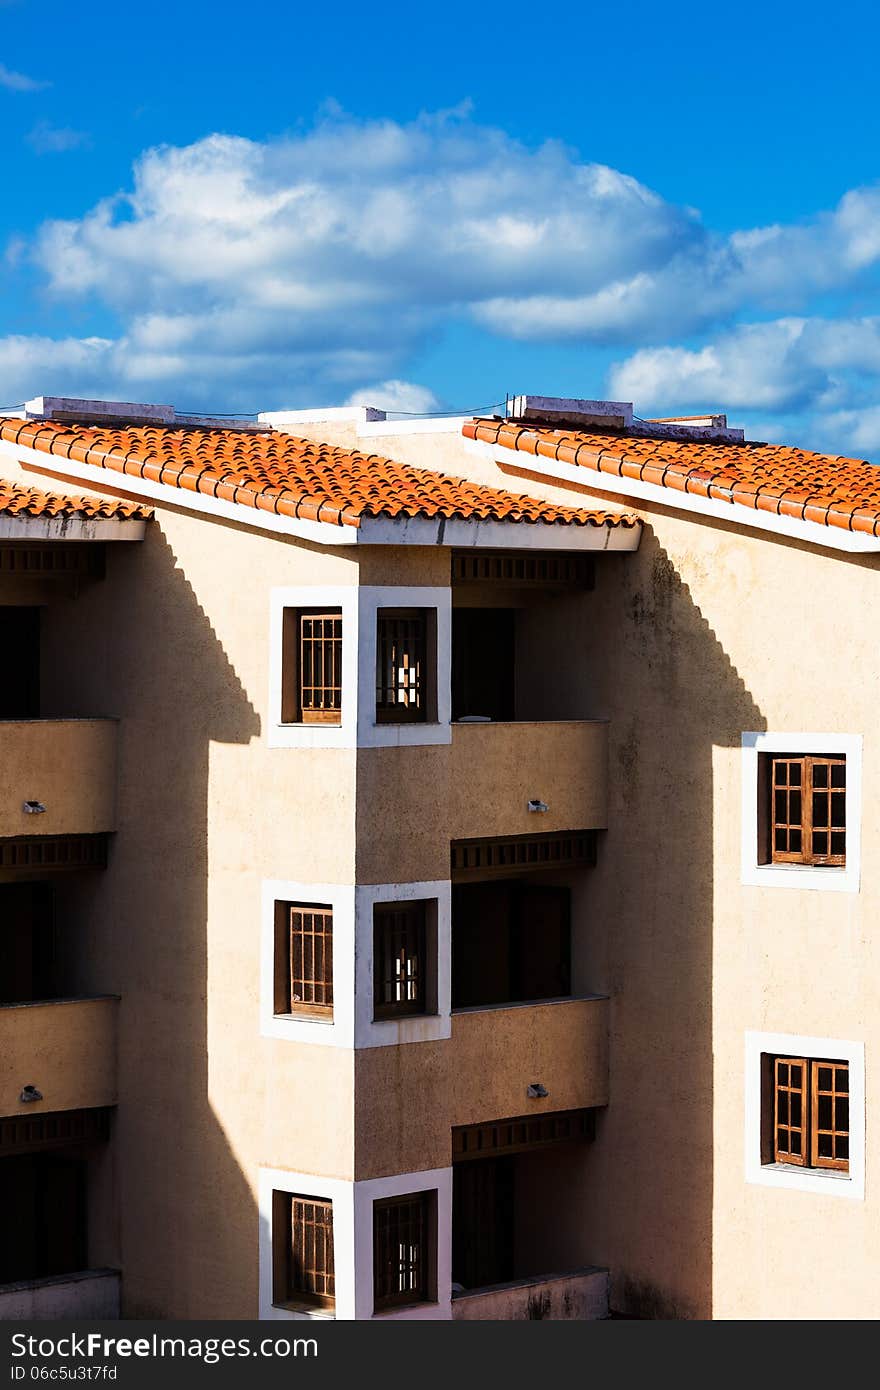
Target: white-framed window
{"x": 805, "y": 1113}
{"x": 293, "y": 1287}
{"x": 801, "y": 811}
{"x": 359, "y": 667}
{"x": 329, "y": 952}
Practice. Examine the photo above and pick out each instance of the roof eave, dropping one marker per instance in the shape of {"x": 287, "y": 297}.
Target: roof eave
{"x": 425, "y": 531}
{"x": 21, "y": 527}
{"x": 634, "y": 490}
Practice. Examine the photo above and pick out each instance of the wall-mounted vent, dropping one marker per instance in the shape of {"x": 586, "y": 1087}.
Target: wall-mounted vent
{"x": 521, "y": 853}
{"x": 59, "y": 561}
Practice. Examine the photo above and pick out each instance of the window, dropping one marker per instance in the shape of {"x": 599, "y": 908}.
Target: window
{"x": 303, "y": 1266}
{"x": 404, "y": 1241}
{"x": 399, "y": 959}
{"x": 311, "y": 666}
{"x": 807, "y": 1105}
{"x": 402, "y": 668}
{"x": 304, "y": 959}
{"x": 806, "y": 799}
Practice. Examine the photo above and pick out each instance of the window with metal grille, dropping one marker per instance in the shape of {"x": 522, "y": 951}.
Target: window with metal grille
{"x": 807, "y": 810}
{"x": 402, "y": 684}
{"x": 312, "y": 666}
{"x": 400, "y": 965}
{"x": 304, "y": 959}
{"x": 404, "y": 1249}
{"x": 810, "y": 1113}
{"x": 303, "y": 1260}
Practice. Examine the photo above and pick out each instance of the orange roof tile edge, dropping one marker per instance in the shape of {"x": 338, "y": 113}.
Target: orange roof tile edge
{"x": 302, "y": 479}
{"x": 797, "y": 483}
{"x": 28, "y": 501}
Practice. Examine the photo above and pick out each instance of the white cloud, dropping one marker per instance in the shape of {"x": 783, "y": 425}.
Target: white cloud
{"x": 397, "y": 397}
{"x": 787, "y": 365}
{"x": 258, "y": 275}
{"x": 19, "y": 81}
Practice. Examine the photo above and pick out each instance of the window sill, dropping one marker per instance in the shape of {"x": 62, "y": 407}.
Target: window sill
{"x": 807, "y": 877}
{"x": 404, "y": 1018}
{"x": 324, "y": 1019}
{"x": 307, "y": 1310}
{"x": 405, "y": 1307}
{"x": 831, "y": 1174}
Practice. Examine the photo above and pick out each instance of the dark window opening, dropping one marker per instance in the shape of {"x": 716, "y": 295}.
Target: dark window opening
{"x": 311, "y": 679}
{"x": 404, "y": 1250}
{"x": 304, "y": 959}
{"x": 302, "y": 1251}
{"x": 400, "y": 959}
{"x": 29, "y": 967}
{"x": 43, "y": 1204}
{"x": 405, "y": 639}
{"x": 511, "y": 942}
{"x": 20, "y": 667}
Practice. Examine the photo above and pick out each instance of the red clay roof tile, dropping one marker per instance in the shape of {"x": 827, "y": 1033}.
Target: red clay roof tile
{"x": 822, "y": 488}
{"x": 30, "y": 501}
{"x": 292, "y": 477}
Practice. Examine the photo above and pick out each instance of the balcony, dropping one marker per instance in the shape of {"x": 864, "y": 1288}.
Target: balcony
{"x": 67, "y": 766}
{"x": 562, "y": 1044}
{"x": 90, "y": 1294}
{"x": 66, "y": 1048}
{"x": 581, "y": 1296}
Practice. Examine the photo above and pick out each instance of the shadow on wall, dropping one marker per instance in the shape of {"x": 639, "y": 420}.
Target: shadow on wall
{"x": 653, "y": 665}
{"x": 145, "y": 651}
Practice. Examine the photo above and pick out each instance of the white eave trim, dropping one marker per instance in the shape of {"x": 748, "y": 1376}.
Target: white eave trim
{"x": 70, "y": 528}
{"x": 500, "y": 535}
{"x": 810, "y": 532}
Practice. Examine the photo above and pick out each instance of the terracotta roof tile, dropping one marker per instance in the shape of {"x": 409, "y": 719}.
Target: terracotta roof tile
{"x": 822, "y": 488}
{"x": 292, "y": 477}
{"x": 30, "y": 501}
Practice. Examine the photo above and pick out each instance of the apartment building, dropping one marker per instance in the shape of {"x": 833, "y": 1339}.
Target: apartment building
{"x": 438, "y": 868}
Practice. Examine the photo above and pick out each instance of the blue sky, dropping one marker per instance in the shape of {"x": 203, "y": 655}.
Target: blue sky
{"x": 251, "y": 207}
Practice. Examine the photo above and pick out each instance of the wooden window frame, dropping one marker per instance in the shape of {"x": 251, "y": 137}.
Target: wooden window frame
{"x": 777, "y": 783}
{"x": 320, "y": 930}
{"x": 302, "y": 1229}
{"x": 318, "y": 702}
{"x": 409, "y": 923}
{"x": 423, "y": 645}
{"x": 424, "y": 1206}
{"x": 792, "y": 1105}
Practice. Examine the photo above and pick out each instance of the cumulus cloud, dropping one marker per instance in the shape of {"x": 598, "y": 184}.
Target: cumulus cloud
{"x": 787, "y": 365}
{"x": 19, "y": 81}
{"x": 258, "y": 275}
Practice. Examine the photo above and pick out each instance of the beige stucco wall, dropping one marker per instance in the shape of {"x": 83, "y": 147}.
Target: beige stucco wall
{"x": 67, "y": 765}
{"x": 67, "y": 1049}
{"x": 480, "y": 785}
{"x": 408, "y": 1099}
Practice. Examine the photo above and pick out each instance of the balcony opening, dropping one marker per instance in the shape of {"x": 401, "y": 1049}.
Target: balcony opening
{"x": 44, "y": 1217}
{"x": 515, "y": 1207}
{"x": 20, "y": 667}
{"x": 514, "y": 618}
{"x": 29, "y": 967}
{"x": 55, "y": 1180}
{"x": 511, "y": 942}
